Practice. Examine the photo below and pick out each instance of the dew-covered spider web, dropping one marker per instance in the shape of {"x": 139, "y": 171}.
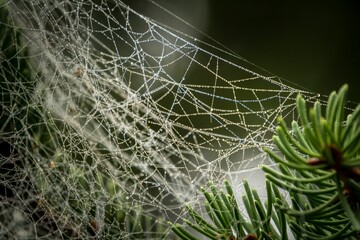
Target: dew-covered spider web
{"x": 111, "y": 121}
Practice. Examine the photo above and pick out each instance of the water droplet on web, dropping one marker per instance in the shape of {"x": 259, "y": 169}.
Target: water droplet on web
{"x": 118, "y": 122}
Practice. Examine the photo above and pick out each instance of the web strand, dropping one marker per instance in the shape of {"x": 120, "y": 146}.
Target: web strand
{"x": 125, "y": 118}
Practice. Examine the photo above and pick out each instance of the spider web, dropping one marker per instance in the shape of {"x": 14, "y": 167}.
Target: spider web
{"x": 122, "y": 120}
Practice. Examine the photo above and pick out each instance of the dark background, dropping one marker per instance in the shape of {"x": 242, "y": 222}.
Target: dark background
{"x": 314, "y": 44}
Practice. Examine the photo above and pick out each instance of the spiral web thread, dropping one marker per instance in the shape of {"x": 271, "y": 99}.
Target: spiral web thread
{"x": 122, "y": 120}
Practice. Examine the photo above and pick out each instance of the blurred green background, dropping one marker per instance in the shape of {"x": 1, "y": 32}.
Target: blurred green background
{"x": 314, "y": 44}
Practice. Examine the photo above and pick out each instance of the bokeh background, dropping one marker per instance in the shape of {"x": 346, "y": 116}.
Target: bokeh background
{"x": 314, "y": 44}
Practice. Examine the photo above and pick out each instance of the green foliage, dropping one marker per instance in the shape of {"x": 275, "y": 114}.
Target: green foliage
{"x": 227, "y": 221}
{"x": 320, "y": 169}
{"x": 318, "y": 165}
